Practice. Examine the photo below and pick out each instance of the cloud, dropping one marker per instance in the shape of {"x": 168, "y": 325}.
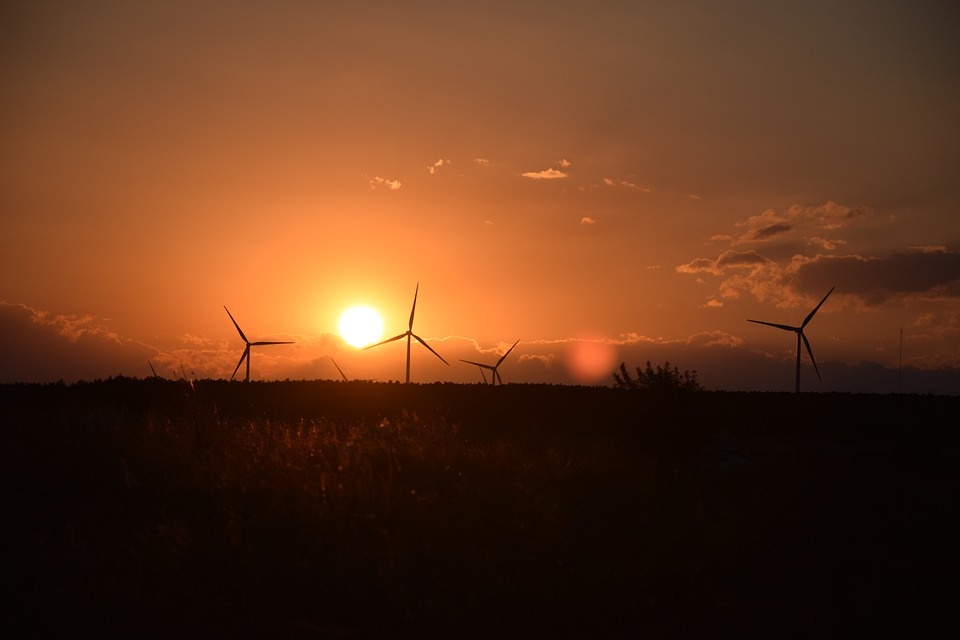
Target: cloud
{"x": 481, "y": 162}
{"x": 587, "y": 220}
{"x": 768, "y": 232}
{"x": 546, "y": 174}
{"x": 699, "y": 265}
{"x": 432, "y": 169}
{"x": 929, "y": 273}
{"x": 771, "y": 224}
{"x": 378, "y": 182}
{"x": 727, "y": 260}
{"x": 714, "y": 339}
{"x": 827, "y": 244}
{"x": 938, "y": 324}
{"x": 609, "y": 182}
{"x": 740, "y": 271}
{"x": 739, "y": 260}
{"x": 39, "y": 346}
{"x": 549, "y": 174}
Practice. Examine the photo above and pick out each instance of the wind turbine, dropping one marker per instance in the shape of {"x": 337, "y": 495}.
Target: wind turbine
{"x": 408, "y": 335}
{"x": 246, "y": 351}
{"x": 494, "y": 375}
{"x": 801, "y": 336}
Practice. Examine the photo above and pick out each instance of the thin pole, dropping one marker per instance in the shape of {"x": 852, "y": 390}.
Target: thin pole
{"x": 900, "y": 366}
{"x": 798, "y": 362}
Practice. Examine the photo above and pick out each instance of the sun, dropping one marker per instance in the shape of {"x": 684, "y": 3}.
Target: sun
{"x": 360, "y": 326}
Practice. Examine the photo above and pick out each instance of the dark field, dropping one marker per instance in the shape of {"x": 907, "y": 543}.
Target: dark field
{"x": 156, "y": 509}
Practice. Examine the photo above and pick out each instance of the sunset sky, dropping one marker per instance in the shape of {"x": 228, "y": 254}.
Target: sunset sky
{"x": 603, "y": 181}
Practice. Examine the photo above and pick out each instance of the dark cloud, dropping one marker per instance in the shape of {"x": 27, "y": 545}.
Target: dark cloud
{"x": 785, "y": 273}
{"x": 766, "y": 233}
{"x": 41, "y": 347}
{"x": 934, "y": 274}
{"x": 799, "y": 220}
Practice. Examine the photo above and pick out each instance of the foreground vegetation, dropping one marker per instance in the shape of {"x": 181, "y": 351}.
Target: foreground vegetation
{"x": 152, "y": 508}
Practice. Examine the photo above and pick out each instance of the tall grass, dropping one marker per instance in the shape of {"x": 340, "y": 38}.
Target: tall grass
{"x": 175, "y": 507}
{"x": 154, "y": 509}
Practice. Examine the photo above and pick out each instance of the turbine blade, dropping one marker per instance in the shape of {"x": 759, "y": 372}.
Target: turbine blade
{"x": 816, "y": 308}
{"x": 342, "y": 374}
{"x": 497, "y": 374}
{"x": 246, "y": 354}
{"x": 479, "y": 364}
{"x": 239, "y": 330}
{"x": 421, "y": 341}
{"x": 810, "y": 351}
{"x": 259, "y": 344}
{"x": 504, "y": 356}
{"x": 785, "y": 327}
{"x": 371, "y": 346}
{"x": 413, "y": 309}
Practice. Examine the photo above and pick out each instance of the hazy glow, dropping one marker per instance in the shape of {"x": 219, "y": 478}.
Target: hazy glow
{"x": 590, "y": 361}
{"x": 360, "y": 325}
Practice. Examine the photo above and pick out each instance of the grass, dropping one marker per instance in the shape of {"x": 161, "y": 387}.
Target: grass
{"x": 150, "y": 508}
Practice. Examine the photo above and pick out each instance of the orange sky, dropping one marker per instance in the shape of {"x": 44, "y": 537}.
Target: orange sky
{"x": 644, "y": 176}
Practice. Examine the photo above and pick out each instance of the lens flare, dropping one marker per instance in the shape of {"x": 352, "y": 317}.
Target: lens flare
{"x": 590, "y": 361}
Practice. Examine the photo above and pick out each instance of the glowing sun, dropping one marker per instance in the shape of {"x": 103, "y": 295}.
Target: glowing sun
{"x": 360, "y": 326}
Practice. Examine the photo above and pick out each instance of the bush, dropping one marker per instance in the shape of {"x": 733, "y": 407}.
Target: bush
{"x": 663, "y": 378}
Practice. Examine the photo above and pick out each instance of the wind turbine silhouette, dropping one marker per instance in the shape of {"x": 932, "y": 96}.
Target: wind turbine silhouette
{"x": 801, "y": 336}
{"x": 408, "y": 335}
{"x": 246, "y": 351}
{"x": 494, "y": 375}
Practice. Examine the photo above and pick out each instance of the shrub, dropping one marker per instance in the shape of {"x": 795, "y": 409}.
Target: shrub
{"x": 663, "y": 378}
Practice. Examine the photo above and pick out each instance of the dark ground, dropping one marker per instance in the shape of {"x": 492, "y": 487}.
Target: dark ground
{"x": 149, "y": 508}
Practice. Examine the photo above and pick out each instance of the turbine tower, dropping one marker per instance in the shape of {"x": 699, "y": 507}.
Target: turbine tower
{"x": 494, "y": 375}
{"x": 246, "y": 351}
{"x": 801, "y": 336}
{"x": 408, "y": 335}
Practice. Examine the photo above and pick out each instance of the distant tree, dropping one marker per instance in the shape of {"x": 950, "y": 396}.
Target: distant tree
{"x": 663, "y": 378}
